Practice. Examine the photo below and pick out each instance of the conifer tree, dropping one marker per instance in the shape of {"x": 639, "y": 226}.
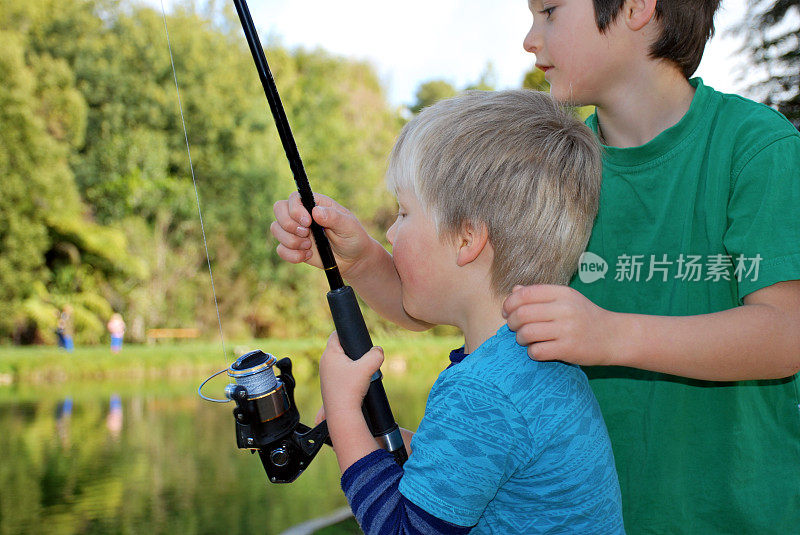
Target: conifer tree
{"x": 772, "y": 40}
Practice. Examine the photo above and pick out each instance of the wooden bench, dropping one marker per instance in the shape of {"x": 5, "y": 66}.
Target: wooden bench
{"x": 170, "y": 334}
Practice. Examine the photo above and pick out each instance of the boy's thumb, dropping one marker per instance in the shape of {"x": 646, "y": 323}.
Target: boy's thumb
{"x": 321, "y": 214}
{"x": 373, "y": 359}
{"x": 327, "y": 217}
{"x": 334, "y": 221}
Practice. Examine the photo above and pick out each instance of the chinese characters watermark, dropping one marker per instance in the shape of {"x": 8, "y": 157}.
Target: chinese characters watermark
{"x": 684, "y": 267}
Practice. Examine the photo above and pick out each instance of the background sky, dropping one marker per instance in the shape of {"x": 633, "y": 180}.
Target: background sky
{"x": 412, "y": 41}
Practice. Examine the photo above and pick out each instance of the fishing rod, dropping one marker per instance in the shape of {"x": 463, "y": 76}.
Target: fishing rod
{"x": 267, "y": 420}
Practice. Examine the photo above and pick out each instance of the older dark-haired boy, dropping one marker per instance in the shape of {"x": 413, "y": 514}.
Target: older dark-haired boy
{"x": 695, "y": 351}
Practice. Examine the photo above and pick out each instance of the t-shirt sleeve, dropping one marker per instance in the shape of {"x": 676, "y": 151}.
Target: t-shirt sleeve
{"x": 463, "y": 450}
{"x": 763, "y": 234}
{"x": 371, "y": 487}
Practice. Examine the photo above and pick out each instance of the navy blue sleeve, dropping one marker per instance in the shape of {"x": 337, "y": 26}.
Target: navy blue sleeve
{"x": 371, "y": 487}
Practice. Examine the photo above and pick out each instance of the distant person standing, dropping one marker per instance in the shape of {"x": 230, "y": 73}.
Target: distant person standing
{"x": 65, "y": 329}
{"x": 116, "y": 327}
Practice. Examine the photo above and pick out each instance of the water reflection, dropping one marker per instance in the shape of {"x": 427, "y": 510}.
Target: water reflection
{"x": 172, "y": 467}
{"x": 63, "y": 417}
{"x": 114, "y": 418}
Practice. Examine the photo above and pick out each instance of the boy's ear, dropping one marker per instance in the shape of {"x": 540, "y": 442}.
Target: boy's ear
{"x": 637, "y": 13}
{"x": 471, "y": 242}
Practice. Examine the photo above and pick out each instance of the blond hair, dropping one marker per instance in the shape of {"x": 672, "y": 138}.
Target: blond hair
{"x": 515, "y": 161}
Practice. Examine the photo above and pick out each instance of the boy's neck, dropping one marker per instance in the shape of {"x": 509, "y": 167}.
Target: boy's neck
{"x": 639, "y": 108}
{"x": 480, "y": 321}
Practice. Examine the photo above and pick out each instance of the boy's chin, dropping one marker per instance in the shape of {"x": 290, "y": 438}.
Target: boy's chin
{"x": 419, "y": 315}
{"x": 413, "y": 313}
{"x": 566, "y": 96}
{"x": 566, "y": 100}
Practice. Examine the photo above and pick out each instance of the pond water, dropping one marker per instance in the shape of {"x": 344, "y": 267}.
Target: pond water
{"x": 152, "y": 457}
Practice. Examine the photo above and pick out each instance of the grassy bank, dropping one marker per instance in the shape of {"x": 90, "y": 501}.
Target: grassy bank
{"x": 38, "y": 365}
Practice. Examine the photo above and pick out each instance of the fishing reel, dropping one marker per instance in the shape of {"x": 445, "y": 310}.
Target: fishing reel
{"x": 267, "y": 419}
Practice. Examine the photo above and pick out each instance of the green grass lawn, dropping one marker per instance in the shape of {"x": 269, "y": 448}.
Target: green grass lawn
{"x": 411, "y": 355}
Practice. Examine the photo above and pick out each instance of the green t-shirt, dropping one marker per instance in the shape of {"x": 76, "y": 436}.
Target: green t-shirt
{"x": 690, "y": 223}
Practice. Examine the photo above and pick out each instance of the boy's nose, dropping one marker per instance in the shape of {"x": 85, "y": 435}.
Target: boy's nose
{"x": 390, "y": 233}
{"x": 532, "y": 43}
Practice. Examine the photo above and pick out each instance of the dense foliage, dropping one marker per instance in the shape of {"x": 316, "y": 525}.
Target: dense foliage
{"x": 98, "y": 207}
{"x": 772, "y": 39}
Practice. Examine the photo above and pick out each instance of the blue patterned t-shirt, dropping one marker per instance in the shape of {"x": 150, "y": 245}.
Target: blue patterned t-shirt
{"x": 512, "y": 445}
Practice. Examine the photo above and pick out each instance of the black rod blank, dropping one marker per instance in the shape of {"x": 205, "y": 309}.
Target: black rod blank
{"x": 346, "y": 313}
{"x": 287, "y": 140}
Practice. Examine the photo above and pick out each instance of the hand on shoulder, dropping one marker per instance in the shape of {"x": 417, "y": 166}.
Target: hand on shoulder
{"x": 559, "y": 323}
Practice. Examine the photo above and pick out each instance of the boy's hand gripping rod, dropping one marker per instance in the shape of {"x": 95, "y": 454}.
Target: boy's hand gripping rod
{"x": 347, "y": 317}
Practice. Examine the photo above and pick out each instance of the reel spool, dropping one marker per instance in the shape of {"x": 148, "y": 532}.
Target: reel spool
{"x": 254, "y": 375}
{"x": 267, "y": 419}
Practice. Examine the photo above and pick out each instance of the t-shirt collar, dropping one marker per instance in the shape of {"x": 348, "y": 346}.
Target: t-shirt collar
{"x": 457, "y": 355}
{"x": 666, "y": 141}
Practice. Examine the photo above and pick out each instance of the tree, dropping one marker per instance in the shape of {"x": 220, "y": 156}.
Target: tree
{"x": 50, "y": 254}
{"x": 431, "y": 92}
{"x": 486, "y": 81}
{"x": 772, "y": 40}
{"x": 98, "y": 206}
{"x": 534, "y": 79}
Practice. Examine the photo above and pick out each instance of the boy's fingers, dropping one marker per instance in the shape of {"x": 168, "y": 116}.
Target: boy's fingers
{"x": 333, "y": 343}
{"x": 293, "y": 256}
{"x": 288, "y": 239}
{"x": 324, "y": 200}
{"x": 320, "y": 416}
{"x": 297, "y": 211}
{"x": 543, "y": 351}
{"x": 286, "y": 221}
{"x": 537, "y": 313}
{"x": 281, "y": 211}
{"x": 335, "y": 220}
{"x": 522, "y": 295}
{"x": 324, "y": 215}
{"x": 534, "y": 333}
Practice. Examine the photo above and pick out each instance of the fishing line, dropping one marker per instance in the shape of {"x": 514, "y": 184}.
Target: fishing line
{"x": 196, "y": 194}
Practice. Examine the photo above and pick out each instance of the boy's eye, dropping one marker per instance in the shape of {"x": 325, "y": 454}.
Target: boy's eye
{"x": 548, "y": 11}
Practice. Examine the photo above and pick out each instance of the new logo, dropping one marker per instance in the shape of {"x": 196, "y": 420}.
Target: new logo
{"x": 591, "y": 268}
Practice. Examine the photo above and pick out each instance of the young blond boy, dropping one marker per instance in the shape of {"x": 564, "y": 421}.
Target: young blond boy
{"x": 494, "y": 190}
{"x": 696, "y": 252}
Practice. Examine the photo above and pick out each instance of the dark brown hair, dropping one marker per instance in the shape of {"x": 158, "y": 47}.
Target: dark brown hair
{"x": 686, "y": 26}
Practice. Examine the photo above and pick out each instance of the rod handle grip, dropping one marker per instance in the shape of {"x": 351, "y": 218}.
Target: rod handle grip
{"x": 349, "y": 322}
{"x": 355, "y": 340}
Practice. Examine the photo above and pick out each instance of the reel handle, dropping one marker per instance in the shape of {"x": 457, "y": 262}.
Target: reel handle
{"x": 355, "y": 340}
